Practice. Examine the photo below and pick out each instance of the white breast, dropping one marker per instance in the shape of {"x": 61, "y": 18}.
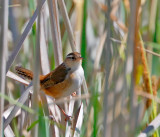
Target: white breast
{"x": 77, "y": 80}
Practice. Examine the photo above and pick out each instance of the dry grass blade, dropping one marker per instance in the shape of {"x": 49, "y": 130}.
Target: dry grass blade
{"x": 55, "y": 35}
{"x": 67, "y": 24}
{"x": 153, "y": 53}
{"x": 22, "y": 38}
{"x": 8, "y": 132}
{"x": 68, "y": 125}
{"x": 21, "y": 100}
{"x": 56, "y": 15}
{"x": 17, "y": 78}
{"x": 79, "y": 122}
{"x": 43, "y": 50}
{"x": 3, "y": 55}
{"x": 148, "y": 96}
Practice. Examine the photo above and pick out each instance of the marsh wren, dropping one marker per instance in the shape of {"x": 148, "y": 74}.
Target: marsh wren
{"x": 62, "y": 81}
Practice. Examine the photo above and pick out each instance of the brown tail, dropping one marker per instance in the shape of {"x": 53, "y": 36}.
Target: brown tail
{"x": 24, "y": 72}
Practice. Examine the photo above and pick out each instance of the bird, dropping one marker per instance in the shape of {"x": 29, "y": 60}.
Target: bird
{"x": 62, "y": 81}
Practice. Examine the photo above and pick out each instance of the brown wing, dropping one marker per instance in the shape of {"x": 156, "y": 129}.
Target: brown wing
{"x": 54, "y": 77}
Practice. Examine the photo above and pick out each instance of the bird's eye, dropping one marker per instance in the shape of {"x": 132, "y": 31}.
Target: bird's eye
{"x": 73, "y": 58}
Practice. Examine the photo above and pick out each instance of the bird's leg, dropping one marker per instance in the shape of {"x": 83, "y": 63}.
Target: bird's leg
{"x": 67, "y": 116}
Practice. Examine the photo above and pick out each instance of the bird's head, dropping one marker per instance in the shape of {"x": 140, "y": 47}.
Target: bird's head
{"x": 73, "y": 60}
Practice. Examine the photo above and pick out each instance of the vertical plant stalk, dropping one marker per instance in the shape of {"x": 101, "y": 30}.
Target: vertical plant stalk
{"x": 43, "y": 49}
{"x": 131, "y": 56}
{"x": 152, "y": 19}
{"x": 55, "y": 30}
{"x": 107, "y": 49}
{"x": 69, "y": 14}
{"x": 3, "y": 55}
{"x": 78, "y": 24}
{"x": 45, "y": 69}
{"x": 56, "y": 15}
{"x": 83, "y": 38}
{"x": 67, "y": 24}
{"x": 36, "y": 86}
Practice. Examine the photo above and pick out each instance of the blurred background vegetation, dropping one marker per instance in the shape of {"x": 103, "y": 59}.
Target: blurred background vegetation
{"x": 120, "y": 43}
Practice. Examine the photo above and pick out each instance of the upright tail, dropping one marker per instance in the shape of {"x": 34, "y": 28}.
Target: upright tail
{"x": 24, "y": 72}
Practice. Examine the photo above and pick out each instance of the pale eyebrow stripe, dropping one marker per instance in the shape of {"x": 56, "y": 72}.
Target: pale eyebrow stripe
{"x": 70, "y": 56}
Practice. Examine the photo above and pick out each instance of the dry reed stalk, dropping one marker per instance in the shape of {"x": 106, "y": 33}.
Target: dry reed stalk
{"x": 153, "y": 53}
{"x": 55, "y": 33}
{"x": 69, "y": 14}
{"x": 43, "y": 49}
{"x": 131, "y": 54}
{"x": 153, "y": 15}
{"x": 67, "y": 24}
{"x": 56, "y": 14}
{"x": 148, "y": 96}
{"x": 17, "y": 78}
{"x": 36, "y": 86}
{"x": 107, "y": 49}
{"x": 3, "y": 56}
{"x": 78, "y": 23}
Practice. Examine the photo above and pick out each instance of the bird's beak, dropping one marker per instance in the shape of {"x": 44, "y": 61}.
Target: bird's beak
{"x": 81, "y": 58}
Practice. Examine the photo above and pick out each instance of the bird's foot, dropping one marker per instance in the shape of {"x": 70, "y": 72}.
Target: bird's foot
{"x": 67, "y": 117}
